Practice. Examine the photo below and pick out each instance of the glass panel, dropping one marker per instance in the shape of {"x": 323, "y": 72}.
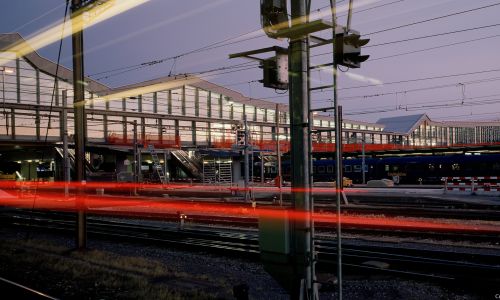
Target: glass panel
{"x": 237, "y": 111}
{"x": 95, "y": 127}
{"x": 162, "y": 102}
{"x": 177, "y": 102}
{"x": 215, "y": 105}
{"x": 190, "y": 101}
{"x": 203, "y": 107}
{"x": 185, "y": 131}
{"x": 25, "y": 123}
{"x": 201, "y": 133}
{"x": 132, "y": 104}
{"x": 115, "y": 129}
{"x": 147, "y": 103}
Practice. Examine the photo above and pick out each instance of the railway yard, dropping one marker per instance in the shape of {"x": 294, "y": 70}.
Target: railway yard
{"x": 404, "y": 243}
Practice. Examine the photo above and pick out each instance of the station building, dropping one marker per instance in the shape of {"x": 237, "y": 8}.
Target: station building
{"x": 183, "y": 117}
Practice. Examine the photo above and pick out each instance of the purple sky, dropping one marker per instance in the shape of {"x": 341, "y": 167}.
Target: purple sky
{"x": 161, "y": 29}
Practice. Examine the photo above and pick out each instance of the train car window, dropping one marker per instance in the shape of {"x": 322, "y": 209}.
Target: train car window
{"x": 431, "y": 167}
{"x": 314, "y": 169}
{"x": 329, "y": 169}
{"x": 321, "y": 169}
{"x": 357, "y": 168}
{"x": 348, "y": 169}
{"x": 387, "y": 168}
{"x": 395, "y": 168}
{"x": 455, "y": 167}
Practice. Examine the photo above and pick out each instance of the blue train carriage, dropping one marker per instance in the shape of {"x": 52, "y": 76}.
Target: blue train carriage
{"x": 430, "y": 169}
{"x": 323, "y": 170}
{"x": 407, "y": 170}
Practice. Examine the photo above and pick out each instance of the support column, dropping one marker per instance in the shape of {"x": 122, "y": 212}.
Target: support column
{"x": 299, "y": 110}
{"x": 79, "y": 113}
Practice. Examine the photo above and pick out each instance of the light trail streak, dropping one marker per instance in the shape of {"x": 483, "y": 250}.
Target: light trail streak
{"x": 82, "y": 21}
{"x": 140, "y": 205}
{"x": 124, "y": 186}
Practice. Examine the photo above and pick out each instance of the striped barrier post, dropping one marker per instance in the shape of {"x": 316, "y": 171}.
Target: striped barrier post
{"x": 487, "y": 185}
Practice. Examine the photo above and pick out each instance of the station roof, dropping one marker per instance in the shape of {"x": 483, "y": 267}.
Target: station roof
{"x": 10, "y": 40}
{"x": 403, "y": 124}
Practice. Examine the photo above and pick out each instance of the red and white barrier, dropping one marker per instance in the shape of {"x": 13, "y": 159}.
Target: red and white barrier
{"x": 484, "y": 185}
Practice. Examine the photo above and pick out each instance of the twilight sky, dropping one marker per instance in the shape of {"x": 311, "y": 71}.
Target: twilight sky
{"x": 167, "y": 28}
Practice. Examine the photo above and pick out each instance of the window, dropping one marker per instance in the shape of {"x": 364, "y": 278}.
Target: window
{"x": 357, "y": 168}
{"x": 329, "y": 169}
{"x": 321, "y": 169}
{"x": 455, "y": 167}
{"x": 348, "y": 169}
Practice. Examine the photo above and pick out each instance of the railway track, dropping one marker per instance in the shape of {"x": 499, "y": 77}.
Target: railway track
{"x": 391, "y": 258}
{"x": 358, "y": 230}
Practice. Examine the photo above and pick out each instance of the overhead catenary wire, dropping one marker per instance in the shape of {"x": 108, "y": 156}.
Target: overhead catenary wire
{"x": 432, "y": 19}
{"x": 211, "y": 46}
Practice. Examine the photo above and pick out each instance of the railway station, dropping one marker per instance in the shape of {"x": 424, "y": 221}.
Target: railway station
{"x": 183, "y": 123}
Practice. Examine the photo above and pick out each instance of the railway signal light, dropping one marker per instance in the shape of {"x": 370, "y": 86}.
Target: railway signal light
{"x": 276, "y": 71}
{"x": 236, "y": 127}
{"x": 240, "y": 137}
{"x": 273, "y": 17}
{"x": 348, "y": 49}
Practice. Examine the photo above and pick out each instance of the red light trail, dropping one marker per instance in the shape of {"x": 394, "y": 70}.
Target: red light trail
{"x": 49, "y": 196}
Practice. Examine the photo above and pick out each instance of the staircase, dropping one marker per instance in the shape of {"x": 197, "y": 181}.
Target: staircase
{"x": 158, "y": 168}
{"x": 192, "y": 165}
{"x": 71, "y": 155}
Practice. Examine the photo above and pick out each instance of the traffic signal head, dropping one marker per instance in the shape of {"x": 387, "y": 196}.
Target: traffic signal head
{"x": 348, "y": 49}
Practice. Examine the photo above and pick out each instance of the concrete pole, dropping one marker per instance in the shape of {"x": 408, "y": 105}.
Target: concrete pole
{"x": 80, "y": 130}
{"x": 304, "y": 274}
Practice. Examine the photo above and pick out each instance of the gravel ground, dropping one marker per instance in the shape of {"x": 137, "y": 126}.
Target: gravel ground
{"x": 222, "y": 274}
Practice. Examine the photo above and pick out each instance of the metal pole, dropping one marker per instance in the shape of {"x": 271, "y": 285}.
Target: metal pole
{"x": 363, "y": 159}
{"x": 247, "y": 163}
{"x": 338, "y": 155}
{"x": 349, "y": 16}
{"x": 278, "y": 153}
{"x": 165, "y": 165}
{"x": 304, "y": 276}
{"x": 261, "y": 167}
{"x": 66, "y": 163}
{"x": 136, "y": 176}
{"x": 80, "y": 130}
{"x": 3, "y": 100}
